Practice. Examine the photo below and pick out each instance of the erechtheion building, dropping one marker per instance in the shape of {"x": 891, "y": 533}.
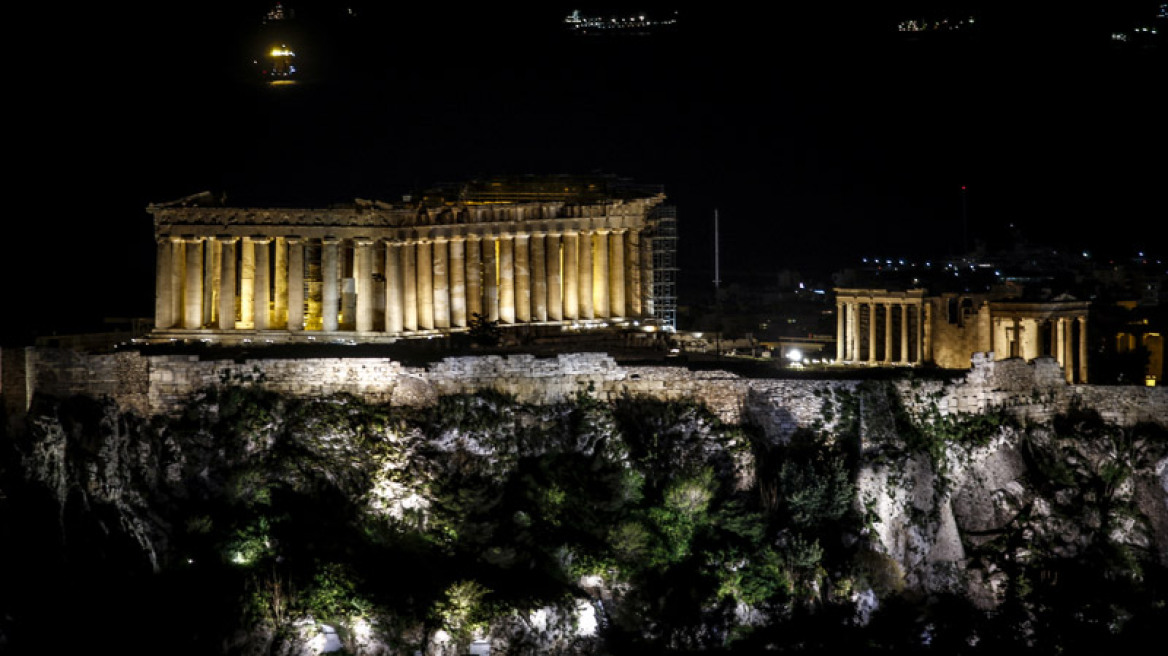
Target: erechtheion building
{"x": 878, "y": 327}
{"x": 557, "y": 250}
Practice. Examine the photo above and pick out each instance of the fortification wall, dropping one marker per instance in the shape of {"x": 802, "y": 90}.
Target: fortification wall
{"x": 1033, "y": 390}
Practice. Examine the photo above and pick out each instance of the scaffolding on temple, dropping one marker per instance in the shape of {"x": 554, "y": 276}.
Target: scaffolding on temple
{"x": 664, "y": 249}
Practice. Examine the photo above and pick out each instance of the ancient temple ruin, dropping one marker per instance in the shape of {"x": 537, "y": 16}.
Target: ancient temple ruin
{"x": 879, "y": 327}
{"x": 523, "y": 251}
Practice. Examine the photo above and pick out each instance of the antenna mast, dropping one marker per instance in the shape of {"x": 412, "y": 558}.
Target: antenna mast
{"x": 717, "y": 261}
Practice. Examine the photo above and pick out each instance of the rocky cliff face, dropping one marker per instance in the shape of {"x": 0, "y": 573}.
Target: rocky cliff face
{"x": 255, "y": 522}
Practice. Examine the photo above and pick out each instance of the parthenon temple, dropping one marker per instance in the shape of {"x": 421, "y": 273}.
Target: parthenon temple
{"x": 567, "y": 251}
{"x": 878, "y": 327}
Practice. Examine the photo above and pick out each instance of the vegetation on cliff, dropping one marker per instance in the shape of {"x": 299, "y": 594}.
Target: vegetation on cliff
{"x": 252, "y": 520}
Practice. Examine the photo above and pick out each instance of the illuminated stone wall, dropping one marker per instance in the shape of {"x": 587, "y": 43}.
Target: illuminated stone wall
{"x": 1034, "y": 390}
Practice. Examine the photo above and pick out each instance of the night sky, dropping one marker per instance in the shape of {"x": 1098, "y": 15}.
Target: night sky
{"x": 819, "y": 135}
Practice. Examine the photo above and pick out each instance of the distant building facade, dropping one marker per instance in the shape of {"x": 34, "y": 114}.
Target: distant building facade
{"x": 879, "y": 327}
{"x": 519, "y": 251}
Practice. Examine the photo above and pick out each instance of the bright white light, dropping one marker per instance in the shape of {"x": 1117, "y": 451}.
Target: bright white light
{"x": 586, "y": 622}
{"x": 363, "y": 630}
{"x": 795, "y": 355}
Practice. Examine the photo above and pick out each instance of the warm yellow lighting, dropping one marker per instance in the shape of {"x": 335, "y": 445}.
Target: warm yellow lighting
{"x": 282, "y": 52}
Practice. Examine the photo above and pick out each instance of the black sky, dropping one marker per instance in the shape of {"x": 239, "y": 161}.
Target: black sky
{"x": 817, "y": 133}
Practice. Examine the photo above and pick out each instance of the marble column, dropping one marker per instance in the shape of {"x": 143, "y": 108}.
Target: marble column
{"x": 920, "y": 336}
{"x": 425, "y": 285}
{"x": 522, "y": 278}
{"x": 871, "y": 332}
{"x": 1030, "y": 339}
{"x": 246, "y": 283}
{"x": 410, "y": 285}
{"x": 363, "y": 272}
{"x": 330, "y": 275}
{"x": 263, "y": 283}
{"x": 927, "y": 323}
{"x": 193, "y": 297}
{"x": 539, "y": 278}
{"x": 458, "y": 282}
{"x": 600, "y": 299}
{"x": 226, "y": 282}
{"x": 280, "y": 302}
{"x": 226, "y": 315}
{"x": 587, "y": 297}
{"x": 1066, "y": 328}
{"x": 394, "y": 317}
{"x": 507, "y": 278}
{"x": 210, "y": 265}
{"x": 295, "y": 283}
{"x": 554, "y": 267}
{"x": 849, "y": 342}
{"x": 571, "y": 285}
{"x": 1058, "y": 340}
{"x": 616, "y": 275}
{"x": 904, "y": 321}
{"x": 491, "y": 278}
{"x": 887, "y": 359}
{"x": 840, "y": 336}
{"x": 633, "y": 273}
{"x": 1082, "y": 321}
{"x": 440, "y": 251}
{"x": 856, "y": 345}
{"x": 985, "y": 328}
{"x": 164, "y": 284}
{"x": 1001, "y": 341}
{"x": 178, "y": 267}
{"x": 474, "y": 276}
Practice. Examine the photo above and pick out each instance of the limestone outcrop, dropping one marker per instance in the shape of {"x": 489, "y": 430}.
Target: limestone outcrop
{"x": 321, "y": 490}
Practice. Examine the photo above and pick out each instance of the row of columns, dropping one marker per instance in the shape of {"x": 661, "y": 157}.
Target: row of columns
{"x": 850, "y": 339}
{"x": 429, "y": 283}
